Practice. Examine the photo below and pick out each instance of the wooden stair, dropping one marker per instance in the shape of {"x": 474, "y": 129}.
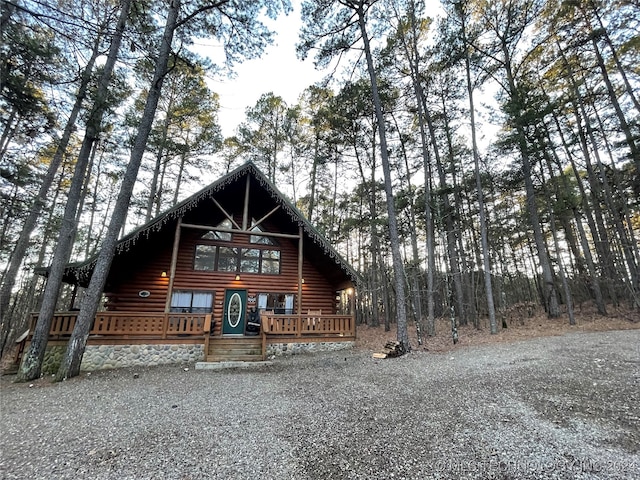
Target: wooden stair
{"x": 235, "y": 349}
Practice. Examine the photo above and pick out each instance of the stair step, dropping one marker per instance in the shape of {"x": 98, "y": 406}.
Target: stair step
{"x": 234, "y": 358}
{"x": 236, "y": 340}
{"x": 232, "y": 348}
{"x": 254, "y": 350}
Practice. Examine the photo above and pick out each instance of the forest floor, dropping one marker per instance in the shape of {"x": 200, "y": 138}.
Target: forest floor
{"x": 522, "y": 322}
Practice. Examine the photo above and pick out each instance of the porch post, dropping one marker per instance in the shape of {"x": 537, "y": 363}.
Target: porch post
{"x": 174, "y": 261}
{"x": 245, "y": 212}
{"x": 74, "y": 294}
{"x": 300, "y": 259}
{"x": 351, "y": 293}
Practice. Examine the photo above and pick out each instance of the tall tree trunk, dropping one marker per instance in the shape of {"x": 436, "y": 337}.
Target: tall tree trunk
{"x": 563, "y": 278}
{"x": 312, "y": 179}
{"x": 70, "y": 365}
{"x": 586, "y": 258}
{"x": 17, "y": 256}
{"x": 155, "y": 187}
{"x": 413, "y": 57}
{"x": 484, "y": 238}
{"x": 624, "y": 125}
{"x": 83, "y": 196}
{"x": 614, "y": 53}
{"x": 616, "y": 209}
{"x": 549, "y": 291}
{"x": 183, "y": 161}
{"x": 89, "y": 245}
{"x": 447, "y": 218}
{"x": 161, "y": 185}
{"x": 552, "y": 222}
{"x": 374, "y": 253}
{"x": 32, "y": 359}
{"x": 413, "y": 278}
{"x": 398, "y": 266}
{"x": 415, "y": 275}
{"x": 593, "y": 215}
{"x": 9, "y": 131}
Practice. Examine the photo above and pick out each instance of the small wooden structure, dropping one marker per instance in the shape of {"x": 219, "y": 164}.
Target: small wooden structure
{"x": 234, "y": 264}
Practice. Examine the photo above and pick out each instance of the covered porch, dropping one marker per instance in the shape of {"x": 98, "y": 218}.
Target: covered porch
{"x": 181, "y": 330}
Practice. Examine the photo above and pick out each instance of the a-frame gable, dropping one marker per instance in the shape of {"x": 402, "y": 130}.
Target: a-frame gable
{"x": 246, "y": 186}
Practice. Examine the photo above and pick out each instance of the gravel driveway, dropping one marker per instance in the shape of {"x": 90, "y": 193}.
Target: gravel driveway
{"x": 557, "y": 407}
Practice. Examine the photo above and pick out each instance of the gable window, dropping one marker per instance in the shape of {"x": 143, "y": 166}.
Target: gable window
{"x": 278, "y": 302}
{"x": 186, "y": 301}
{"x": 220, "y": 236}
{"x": 259, "y": 239}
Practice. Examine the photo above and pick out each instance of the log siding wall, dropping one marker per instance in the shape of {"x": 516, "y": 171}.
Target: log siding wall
{"x": 127, "y": 281}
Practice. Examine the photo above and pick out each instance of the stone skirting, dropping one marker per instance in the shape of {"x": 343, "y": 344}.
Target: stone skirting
{"x": 99, "y": 357}
{"x": 296, "y": 348}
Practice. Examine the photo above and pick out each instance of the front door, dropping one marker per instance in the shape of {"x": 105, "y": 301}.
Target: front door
{"x": 235, "y": 306}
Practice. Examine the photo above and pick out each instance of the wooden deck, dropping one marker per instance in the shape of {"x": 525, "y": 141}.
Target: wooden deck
{"x": 131, "y": 328}
{"x": 132, "y": 325}
{"x": 308, "y": 325}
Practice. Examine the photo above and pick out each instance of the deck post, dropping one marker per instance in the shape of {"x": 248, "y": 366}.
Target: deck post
{"x": 263, "y": 321}
{"x": 207, "y": 334}
{"x": 300, "y": 261}
{"x": 165, "y": 325}
{"x": 174, "y": 262}
{"x": 351, "y": 292}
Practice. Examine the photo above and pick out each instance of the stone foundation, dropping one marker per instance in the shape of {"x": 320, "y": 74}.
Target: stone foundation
{"x": 298, "y": 348}
{"x": 53, "y": 358}
{"x": 99, "y": 357}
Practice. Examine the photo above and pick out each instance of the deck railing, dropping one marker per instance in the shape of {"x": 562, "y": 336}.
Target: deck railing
{"x": 142, "y": 326}
{"x": 305, "y": 326}
{"x": 133, "y": 324}
{"x": 308, "y": 325}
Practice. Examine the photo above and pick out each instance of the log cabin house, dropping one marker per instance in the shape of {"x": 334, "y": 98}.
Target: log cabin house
{"x": 234, "y": 272}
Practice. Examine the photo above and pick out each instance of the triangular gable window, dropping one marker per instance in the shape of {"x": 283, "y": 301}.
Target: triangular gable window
{"x": 224, "y": 236}
{"x": 260, "y": 239}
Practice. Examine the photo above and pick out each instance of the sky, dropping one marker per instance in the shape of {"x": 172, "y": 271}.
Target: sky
{"x": 278, "y": 71}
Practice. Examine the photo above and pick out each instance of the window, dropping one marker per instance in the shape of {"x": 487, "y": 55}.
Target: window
{"x": 223, "y": 236}
{"x": 270, "y": 261}
{"x": 260, "y": 239}
{"x": 185, "y": 301}
{"x": 205, "y": 258}
{"x": 227, "y": 259}
{"x": 250, "y": 260}
{"x": 209, "y": 258}
{"x": 211, "y": 255}
{"x": 278, "y": 302}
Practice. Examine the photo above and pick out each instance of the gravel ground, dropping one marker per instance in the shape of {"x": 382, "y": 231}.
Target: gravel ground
{"x": 559, "y": 407}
